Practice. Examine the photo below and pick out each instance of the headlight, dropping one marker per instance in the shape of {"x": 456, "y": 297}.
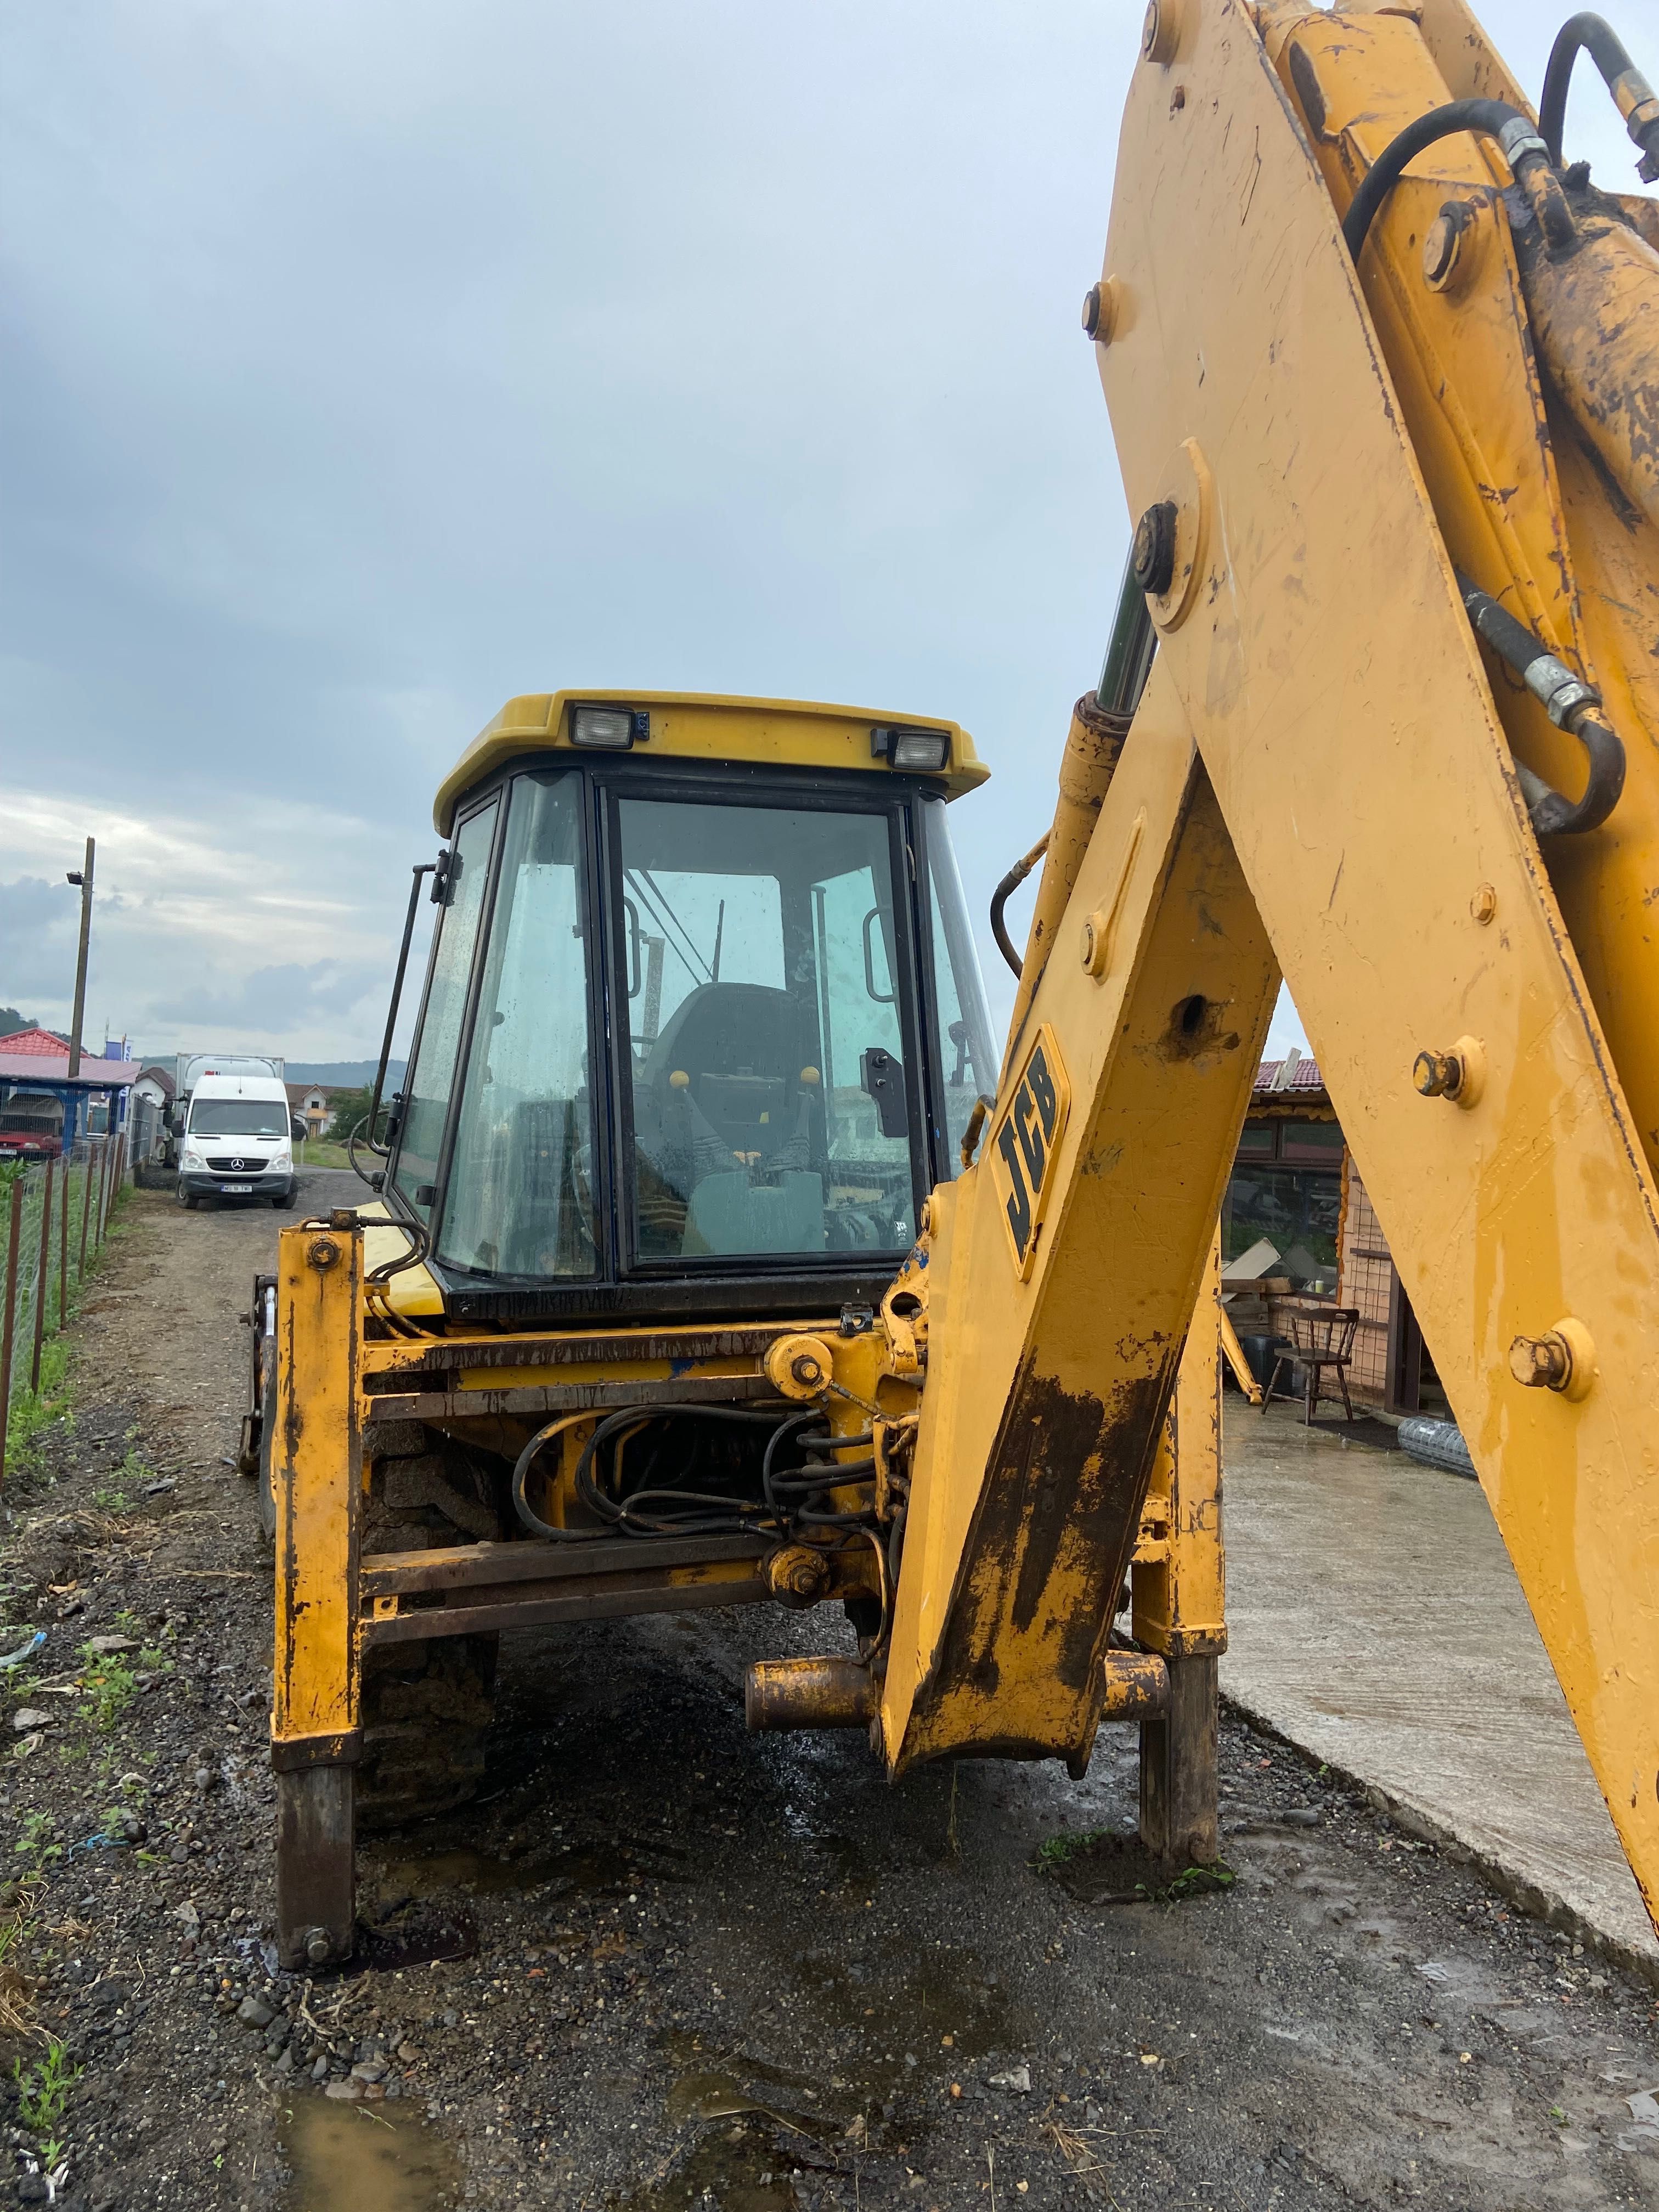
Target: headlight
{"x": 609, "y": 729}
{"x": 912, "y": 748}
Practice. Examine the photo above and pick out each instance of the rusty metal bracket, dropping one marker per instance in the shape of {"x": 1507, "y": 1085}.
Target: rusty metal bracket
{"x": 289, "y": 1754}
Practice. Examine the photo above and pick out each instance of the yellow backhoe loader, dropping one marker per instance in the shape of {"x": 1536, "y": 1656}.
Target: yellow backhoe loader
{"x": 714, "y": 1255}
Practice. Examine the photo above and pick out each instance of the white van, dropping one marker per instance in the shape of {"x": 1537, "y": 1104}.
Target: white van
{"x": 235, "y": 1142}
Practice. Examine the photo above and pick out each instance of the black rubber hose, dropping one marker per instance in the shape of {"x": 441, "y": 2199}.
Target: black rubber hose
{"x": 1593, "y": 35}
{"x": 1552, "y": 814}
{"x": 1004, "y": 891}
{"x": 608, "y": 1509}
{"x": 1487, "y": 116}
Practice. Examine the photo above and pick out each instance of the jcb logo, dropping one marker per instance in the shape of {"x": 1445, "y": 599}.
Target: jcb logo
{"x": 1025, "y": 1142}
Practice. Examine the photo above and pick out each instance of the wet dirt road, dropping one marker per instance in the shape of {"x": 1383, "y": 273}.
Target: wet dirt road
{"x": 701, "y": 1970}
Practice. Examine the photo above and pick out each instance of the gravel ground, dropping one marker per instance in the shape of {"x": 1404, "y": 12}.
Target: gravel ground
{"x": 693, "y": 1970}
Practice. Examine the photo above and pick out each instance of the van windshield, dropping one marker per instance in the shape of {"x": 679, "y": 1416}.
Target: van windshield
{"x": 239, "y": 1117}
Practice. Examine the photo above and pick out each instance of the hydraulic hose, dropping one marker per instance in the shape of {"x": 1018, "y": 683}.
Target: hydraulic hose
{"x": 1521, "y": 147}
{"x": 1571, "y": 704}
{"x": 1633, "y": 94}
{"x": 1004, "y": 891}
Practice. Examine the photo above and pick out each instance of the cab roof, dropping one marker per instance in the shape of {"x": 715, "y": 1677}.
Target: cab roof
{"x": 707, "y": 726}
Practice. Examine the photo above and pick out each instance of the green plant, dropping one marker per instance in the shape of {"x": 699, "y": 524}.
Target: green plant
{"x": 1055, "y": 1850}
{"x": 1196, "y": 1881}
{"x": 115, "y": 1495}
{"x": 33, "y": 1412}
{"x": 35, "y": 1840}
{"x": 108, "y": 1684}
{"x": 43, "y": 2089}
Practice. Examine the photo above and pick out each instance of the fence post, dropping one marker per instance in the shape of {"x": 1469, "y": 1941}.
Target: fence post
{"x": 86, "y": 1215}
{"x": 104, "y": 1164}
{"x": 43, "y": 1282}
{"x": 7, "y": 1318}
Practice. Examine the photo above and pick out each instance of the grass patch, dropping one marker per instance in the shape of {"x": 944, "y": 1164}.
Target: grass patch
{"x": 108, "y": 1685}
{"x": 33, "y": 1412}
{"x": 1056, "y": 1850}
{"x": 34, "y": 1842}
{"x": 43, "y": 2092}
{"x": 1098, "y": 1866}
{"x": 124, "y": 1482}
{"x": 321, "y": 1152}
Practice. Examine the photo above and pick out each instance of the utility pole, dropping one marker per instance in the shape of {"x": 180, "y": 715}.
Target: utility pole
{"x": 84, "y": 878}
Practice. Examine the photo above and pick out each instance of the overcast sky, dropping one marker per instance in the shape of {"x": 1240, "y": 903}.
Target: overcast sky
{"x": 367, "y": 363}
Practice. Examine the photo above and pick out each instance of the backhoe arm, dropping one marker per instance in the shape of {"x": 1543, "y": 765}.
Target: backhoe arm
{"x": 1329, "y": 772}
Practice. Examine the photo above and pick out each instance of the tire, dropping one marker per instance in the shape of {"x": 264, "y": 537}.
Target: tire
{"x": 427, "y": 1707}
{"x": 187, "y": 1199}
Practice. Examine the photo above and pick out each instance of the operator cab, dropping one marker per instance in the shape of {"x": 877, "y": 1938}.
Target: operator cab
{"x": 703, "y": 1024}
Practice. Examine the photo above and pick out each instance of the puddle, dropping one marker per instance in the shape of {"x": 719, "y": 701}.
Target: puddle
{"x": 762, "y": 2162}
{"x": 415, "y": 1932}
{"x": 373, "y": 2160}
{"x": 597, "y": 1869}
{"x": 720, "y": 2097}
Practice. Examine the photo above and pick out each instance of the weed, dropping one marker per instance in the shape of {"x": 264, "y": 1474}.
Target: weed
{"x": 35, "y": 1840}
{"x": 33, "y": 1412}
{"x": 1055, "y": 1850}
{"x": 1196, "y": 1881}
{"x": 116, "y": 1494}
{"x": 43, "y": 2089}
{"x": 108, "y": 1684}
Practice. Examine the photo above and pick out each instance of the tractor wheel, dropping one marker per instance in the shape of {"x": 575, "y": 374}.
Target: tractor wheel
{"x": 427, "y": 1707}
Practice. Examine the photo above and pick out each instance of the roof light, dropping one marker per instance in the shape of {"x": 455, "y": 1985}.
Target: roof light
{"x": 609, "y": 729}
{"x": 911, "y": 749}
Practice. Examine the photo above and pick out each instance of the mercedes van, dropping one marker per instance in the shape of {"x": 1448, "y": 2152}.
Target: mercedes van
{"x": 235, "y": 1141}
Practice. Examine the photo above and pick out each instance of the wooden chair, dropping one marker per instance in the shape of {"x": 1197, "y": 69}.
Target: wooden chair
{"x": 1322, "y": 1336}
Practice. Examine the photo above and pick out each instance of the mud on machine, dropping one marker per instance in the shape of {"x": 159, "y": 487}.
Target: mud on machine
{"x": 715, "y": 1257}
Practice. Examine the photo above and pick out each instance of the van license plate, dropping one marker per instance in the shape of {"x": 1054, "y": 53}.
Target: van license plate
{"x": 237, "y": 1190}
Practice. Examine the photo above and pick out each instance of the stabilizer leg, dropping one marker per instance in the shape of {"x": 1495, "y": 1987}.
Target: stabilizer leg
{"x": 316, "y": 1461}
{"x": 1179, "y": 1585}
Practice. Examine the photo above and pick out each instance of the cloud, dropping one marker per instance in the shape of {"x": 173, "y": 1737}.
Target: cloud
{"x": 367, "y": 365}
{"x": 275, "y": 930}
{"x": 272, "y": 1002}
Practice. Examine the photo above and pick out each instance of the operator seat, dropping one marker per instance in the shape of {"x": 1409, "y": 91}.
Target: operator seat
{"x": 729, "y": 1105}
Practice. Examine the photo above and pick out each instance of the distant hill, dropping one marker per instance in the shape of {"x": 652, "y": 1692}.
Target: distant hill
{"x": 342, "y": 1073}
{"x": 11, "y": 1021}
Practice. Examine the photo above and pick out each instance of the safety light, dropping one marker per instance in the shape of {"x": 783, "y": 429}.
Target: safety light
{"x": 609, "y": 729}
{"x": 911, "y": 749}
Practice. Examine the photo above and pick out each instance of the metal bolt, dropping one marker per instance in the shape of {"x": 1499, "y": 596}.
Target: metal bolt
{"x": 807, "y": 1370}
{"x": 1443, "y": 244}
{"x": 1542, "y": 1363}
{"x": 1151, "y": 558}
{"x": 1149, "y": 28}
{"x": 1100, "y": 310}
{"x": 795, "y": 1571}
{"x": 1437, "y": 1074}
{"x": 318, "y": 1947}
{"x": 323, "y": 1253}
{"x": 1484, "y": 904}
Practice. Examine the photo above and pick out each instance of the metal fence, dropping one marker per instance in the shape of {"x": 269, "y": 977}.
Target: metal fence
{"x": 54, "y": 1215}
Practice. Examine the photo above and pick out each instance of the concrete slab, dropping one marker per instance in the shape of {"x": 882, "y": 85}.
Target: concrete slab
{"x": 1375, "y": 1621}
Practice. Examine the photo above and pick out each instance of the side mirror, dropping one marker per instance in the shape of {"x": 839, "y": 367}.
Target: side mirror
{"x": 882, "y": 1077}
